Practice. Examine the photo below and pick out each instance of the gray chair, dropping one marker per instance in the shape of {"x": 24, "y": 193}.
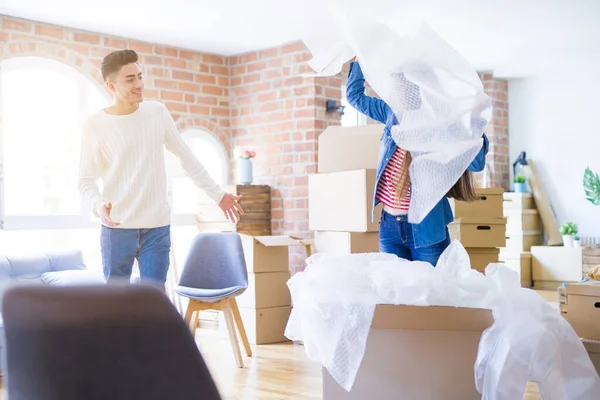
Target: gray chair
{"x": 100, "y": 342}
{"x": 213, "y": 274}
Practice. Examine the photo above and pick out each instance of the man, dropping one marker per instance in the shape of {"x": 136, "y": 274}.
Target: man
{"x": 123, "y": 146}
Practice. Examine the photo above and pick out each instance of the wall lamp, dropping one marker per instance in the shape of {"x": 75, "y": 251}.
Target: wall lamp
{"x": 332, "y": 106}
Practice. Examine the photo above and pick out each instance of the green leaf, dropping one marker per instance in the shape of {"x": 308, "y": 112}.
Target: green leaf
{"x": 591, "y": 185}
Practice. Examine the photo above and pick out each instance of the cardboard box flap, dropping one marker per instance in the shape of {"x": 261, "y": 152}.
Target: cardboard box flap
{"x": 589, "y": 288}
{"x": 389, "y": 316}
{"x": 592, "y": 346}
{"x": 480, "y": 221}
{"x": 280, "y": 240}
{"x": 489, "y": 191}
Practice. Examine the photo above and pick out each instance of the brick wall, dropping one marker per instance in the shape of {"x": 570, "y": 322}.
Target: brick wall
{"x": 194, "y": 86}
{"x": 280, "y": 115}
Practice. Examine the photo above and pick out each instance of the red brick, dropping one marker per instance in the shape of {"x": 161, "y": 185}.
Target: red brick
{"x": 220, "y": 112}
{"x": 219, "y": 70}
{"x": 213, "y": 59}
{"x": 276, "y": 62}
{"x": 82, "y": 37}
{"x": 293, "y": 48}
{"x": 189, "y": 87}
{"x": 206, "y": 89}
{"x": 152, "y": 60}
{"x": 305, "y": 113}
{"x": 166, "y": 51}
{"x": 16, "y": 25}
{"x": 190, "y": 98}
{"x": 140, "y": 47}
{"x": 223, "y": 81}
{"x": 165, "y": 84}
{"x": 157, "y": 71}
{"x": 200, "y": 110}
{"x": 50, "y": 31}
{"x": 259, "y": 66}
{"x": 269, "y": 53}
{"x": 260, "y": 87}
{"x": 79, "y": 48}
{"x": 238, "y": 70}
{"x": 175, "y": 63}
{"x": 115, "y": 42}
{"x": 204, "y": 68}
{"x": 206, "y": 100}
{"x": 174, "y": 107}
{"x": 202, "y": 78}
{"x": 251, "y": 78}
{"x": 236, "y": 81}
{"x": 169, "y": 95}
{"x": 189, "y": 55}
{"x": 182, "y": 75}
{"x": 249, "y": 57}
{"x": 269, "y": 107}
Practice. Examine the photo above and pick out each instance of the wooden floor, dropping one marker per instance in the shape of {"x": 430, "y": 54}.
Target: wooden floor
{"x": 275, "y": 372}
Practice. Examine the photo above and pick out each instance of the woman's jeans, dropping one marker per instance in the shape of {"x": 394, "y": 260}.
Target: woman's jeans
{"x": 395, "y": 237}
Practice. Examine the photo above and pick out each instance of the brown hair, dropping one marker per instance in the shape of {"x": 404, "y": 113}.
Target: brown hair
{"x": 464, "y": 189}
{"x": 113, "y": 62}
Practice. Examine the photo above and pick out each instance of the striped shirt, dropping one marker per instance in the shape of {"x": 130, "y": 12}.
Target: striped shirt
{"x": 388, "y": 183}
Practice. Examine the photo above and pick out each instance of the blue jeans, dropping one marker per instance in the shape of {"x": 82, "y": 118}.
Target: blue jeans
{"x": 151, "y": 248}
{"x": 395, "y": 237}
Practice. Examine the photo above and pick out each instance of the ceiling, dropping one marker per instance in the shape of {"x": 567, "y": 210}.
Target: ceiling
{"x": 512, "y": 37}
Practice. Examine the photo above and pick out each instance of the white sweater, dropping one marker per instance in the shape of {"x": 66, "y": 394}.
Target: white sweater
{"x": 127, "y": 153}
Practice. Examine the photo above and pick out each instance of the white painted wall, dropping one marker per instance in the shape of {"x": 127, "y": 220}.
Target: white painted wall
{"x": 555, "y": 118}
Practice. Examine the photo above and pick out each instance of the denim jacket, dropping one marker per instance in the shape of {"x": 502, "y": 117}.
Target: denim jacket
{"x": 432, "y": 229}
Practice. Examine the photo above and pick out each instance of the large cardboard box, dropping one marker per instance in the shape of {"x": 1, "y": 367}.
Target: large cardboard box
{"x": 593, "y": 349}
{"x": 265, "y": 290}
{"x": 583, "y": 300}
{"x": 518, "y": 201}
{"x": 424, "y": 353}
{"x": 482, "y": 257}
{"x": 263, "y": 325}
{"x": 520, "y": 262}
{"x": 267, "y": 253}
{"x": 479, "y": 232}
{"x": 525, "y": 220}
{"x": 556, "y": 263}
{"x": 518, "y": 242}
{"x": 489, "y": 205}
{"x": 340, "y": 243}
{"x": 349, "y": 148}
{"x": 342, "y": 201}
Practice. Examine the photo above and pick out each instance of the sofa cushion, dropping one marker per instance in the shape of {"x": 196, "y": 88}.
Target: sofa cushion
{"x": 28, "y": 265}
{"x": 4, "y": 268}
{"x": 73, "y": 278}
{"x": 66, "y": 260}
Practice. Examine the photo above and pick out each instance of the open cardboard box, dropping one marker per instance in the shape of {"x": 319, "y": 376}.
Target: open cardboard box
{"x": 417, "y": 353}
{"x": 268, "y": 253}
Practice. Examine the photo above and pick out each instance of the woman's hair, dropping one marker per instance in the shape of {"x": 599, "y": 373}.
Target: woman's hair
{"x": 463, "y": 189}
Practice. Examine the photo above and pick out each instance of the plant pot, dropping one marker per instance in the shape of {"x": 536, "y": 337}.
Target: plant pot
{"x": 576, "y": 243}
{"x": 568, "y": 240}
{"x": 245, "y": 171}
{"x": 521, "y": 187}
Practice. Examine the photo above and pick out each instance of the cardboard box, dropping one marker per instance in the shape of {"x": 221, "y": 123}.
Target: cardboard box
{"x": 479, "y": 232}
{"x": 583, "y": 300}
{"x": 481, "y": 258}
{"x": 520, "y": 262}
{"x": 556, "y": 263}
{"x": 524, "y": 220}
{"x": 424, "y": 353}
{"x": 518, "y": 201}
{"x": 349, "y": 148}
{"x": 342, "y": 201}
{"x": 263, "y": 325}
{"x": 266, "y": 290}
{"x": 267, "y": 253}
{"x": 593, "y": 349}
{"x": 340, "y": 243}
{"x": 488, "y": 206}
{"x": 518, "y": 242}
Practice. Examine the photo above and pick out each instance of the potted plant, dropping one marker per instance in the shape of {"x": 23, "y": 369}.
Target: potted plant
{"x": 520, "y": 184}
{"x": 568, "y": 230}
{"x": 577, "y": 242}
{"x": 245, "y": 167}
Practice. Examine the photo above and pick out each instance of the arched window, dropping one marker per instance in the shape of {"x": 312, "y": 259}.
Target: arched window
{"x": 44, "y": 104}
{"x": 186, "y": 199}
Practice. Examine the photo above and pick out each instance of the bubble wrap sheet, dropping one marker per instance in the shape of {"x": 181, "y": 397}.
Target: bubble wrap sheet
{"x": 335, "y": 297}
{"x": 436, "y": 96}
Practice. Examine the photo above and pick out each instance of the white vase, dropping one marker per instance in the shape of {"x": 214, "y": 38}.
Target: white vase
{"x": 569, "y": 240}
{"x": 576, "y": 243}
{"x": 245, "y": 171}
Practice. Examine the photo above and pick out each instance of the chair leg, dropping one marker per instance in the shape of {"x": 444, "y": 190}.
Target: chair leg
{"x": 240, "y": 326}
{"x": 227, "y": 312}
{"x": 189, "y": 313}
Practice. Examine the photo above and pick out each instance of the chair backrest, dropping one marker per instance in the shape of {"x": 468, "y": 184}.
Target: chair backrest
{"x": 215, "y": 261}
{"x": 100, "y": 342}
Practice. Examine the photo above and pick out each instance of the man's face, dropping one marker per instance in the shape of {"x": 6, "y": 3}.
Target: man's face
{"x": 127, "y": 84}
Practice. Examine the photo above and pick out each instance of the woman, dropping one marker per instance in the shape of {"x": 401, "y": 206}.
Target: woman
{"x": 427, "y": 240}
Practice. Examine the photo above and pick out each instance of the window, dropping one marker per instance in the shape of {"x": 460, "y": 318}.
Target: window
{"x": 44, "y": 105}
{"x": 185, "y": 197}
{"x": 351, "y": 116}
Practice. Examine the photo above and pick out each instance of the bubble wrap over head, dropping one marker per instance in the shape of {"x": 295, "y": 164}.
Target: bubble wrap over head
{"x": 437, "y": 97}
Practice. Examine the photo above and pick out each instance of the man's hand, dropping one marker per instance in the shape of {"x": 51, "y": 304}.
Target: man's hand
{"x": 104, "y": 213}
{"x": 230, "y": 207}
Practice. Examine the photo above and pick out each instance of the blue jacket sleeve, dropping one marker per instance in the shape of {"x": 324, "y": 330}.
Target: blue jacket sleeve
{"x": 372, "y": 107}
{"x": 478, "y": 163}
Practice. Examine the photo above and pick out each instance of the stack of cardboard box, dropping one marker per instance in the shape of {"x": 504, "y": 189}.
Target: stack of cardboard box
{"x": 584, "y": 316}
{"x": 340, "y": 195}
{"x": 265, "y": 306}
{"x": 523, "y": 230}
{"x": 480, "y": 227}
